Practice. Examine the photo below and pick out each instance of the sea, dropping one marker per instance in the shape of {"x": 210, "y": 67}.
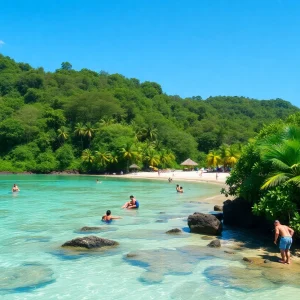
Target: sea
{"x": 148, "y": 263}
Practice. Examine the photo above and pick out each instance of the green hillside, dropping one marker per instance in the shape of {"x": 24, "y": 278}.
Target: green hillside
{"x": 95, "y": 121}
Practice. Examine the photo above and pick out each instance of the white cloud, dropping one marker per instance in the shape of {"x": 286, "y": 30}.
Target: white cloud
{"x": 1, "y": 43}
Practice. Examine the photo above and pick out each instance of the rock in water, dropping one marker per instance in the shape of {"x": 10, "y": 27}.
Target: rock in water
{"x": 90, "y": 242}
{"x": 218, "y": 208}
{"x": 204, "y": 224}
{"x": 88, "y": 228}
{"x": 174, "y": 231}
{"x": 214, "y": 244}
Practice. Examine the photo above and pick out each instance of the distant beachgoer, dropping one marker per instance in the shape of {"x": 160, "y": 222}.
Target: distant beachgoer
{"x": 217, "y": 175}
{"x": 170, "y": 179}
{"x": 132, "y": 204}
{"x": 108, "y": 217}
{"x": 286, "y": 240}
{"x": 121, "y": 172}
{"x": 15, "y": 188}
{"x": 201, "y": 172}
{"x": 181, "y": 189}
{"x": 158, "y": 172}
{"x": 177, "y": 188}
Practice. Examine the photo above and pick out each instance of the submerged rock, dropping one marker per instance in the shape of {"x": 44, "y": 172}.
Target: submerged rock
{"x": 26, "y": 277}
{"x": 88, "y": 228}
{"x": 238, "y": 278}
{"x": 214, "y": 244}
{"x": 174, "y": 231}
{"x": 207, "y": 237}
{"x": 90, "y": 242}
{"x": 205, "y": 224}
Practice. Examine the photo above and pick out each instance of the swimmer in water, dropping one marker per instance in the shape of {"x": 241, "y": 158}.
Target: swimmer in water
{"x": 180, "y": 190}
{"x": 177, "y": 188}
{"x": 132, "y": 204}
{"x": 108, "y": 217}
{"x": 15, "y": 188}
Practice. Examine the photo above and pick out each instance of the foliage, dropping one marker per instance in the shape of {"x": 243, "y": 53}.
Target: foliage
{"x": 85, "y": 119}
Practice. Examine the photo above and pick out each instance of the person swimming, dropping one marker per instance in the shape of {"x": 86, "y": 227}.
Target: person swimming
{"x": 132, "y": 204}
{"x": 108, "y": 217}
{"x": 15, "y": 188}
{"x": 177, "y": 188}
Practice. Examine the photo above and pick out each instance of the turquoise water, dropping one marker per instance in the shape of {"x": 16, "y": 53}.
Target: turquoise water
{"x": 50, "y": 210}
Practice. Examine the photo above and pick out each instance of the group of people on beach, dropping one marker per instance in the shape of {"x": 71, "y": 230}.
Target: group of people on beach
{"x": 131, "y": 204}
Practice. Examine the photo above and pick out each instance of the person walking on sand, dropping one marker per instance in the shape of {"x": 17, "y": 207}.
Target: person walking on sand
{"x": 286, "y": 240}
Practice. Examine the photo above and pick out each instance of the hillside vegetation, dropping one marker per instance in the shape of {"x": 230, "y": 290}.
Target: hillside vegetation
{"x": 95, "y": 121}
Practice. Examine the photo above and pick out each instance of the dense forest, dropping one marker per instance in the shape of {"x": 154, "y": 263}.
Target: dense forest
{"x": 267, "y": 175}
{"x": 97, "y": 122}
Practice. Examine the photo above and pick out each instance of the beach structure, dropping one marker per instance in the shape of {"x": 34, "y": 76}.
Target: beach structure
{"x": 189, "y": 163}
{"x": 134, "y": 167}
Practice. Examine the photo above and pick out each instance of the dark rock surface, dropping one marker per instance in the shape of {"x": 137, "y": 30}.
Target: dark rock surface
{"x": 204, "y": 224}
{"x": 219, "y": 216}
{"x": 214, "y": 244}
{"x": 174, "y": 231}
{"x": 88, "y": 228}
{"x": 218, "y": 208}
{"x": 90, "y": 242}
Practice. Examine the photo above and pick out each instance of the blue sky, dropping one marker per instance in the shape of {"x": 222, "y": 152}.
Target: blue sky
{"x": 192, "y": 47}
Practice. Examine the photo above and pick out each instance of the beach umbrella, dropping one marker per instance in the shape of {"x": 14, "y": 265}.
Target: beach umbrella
{"x": 134, "y": 166}
{"x": 189, "y": 163}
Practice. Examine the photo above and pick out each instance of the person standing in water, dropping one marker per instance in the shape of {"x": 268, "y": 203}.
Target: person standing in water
{"x": 15, "y": 188}
{"x": 286, "y": 240}
{"x": 108, "y": 217}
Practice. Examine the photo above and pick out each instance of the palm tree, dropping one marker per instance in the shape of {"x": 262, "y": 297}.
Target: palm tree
{"x": 128, "y": 153}
{"x": 233, "y": 155}
{"x": 213, "y": 158}
{"x": 223, "y": 153}
{"x": 89, "y": 132}
{"x": 152, "y": 157}
{"x": 87, "y": 156}
{"x": 114, "y": 158}
{"x": 105, "y": 121}
{"x": 166, "y": 157}
{"x": 80, "y": 132}
{"x": 62, "y": 134}
{"x": 102, "y": 158}
{"x": 151, "y": 133}
{"x": 285, "y": 160}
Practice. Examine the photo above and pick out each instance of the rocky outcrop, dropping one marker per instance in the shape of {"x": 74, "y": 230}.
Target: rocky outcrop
{"x": 218, "y": 208}
{"x": 238, "y": 213}
{"x": 219, "y": 216}
{"x": 174, "y": 231}
{"x": 90, "y": 242}
{"x": 204, "y": 224}
{"x": 214, "y": 244}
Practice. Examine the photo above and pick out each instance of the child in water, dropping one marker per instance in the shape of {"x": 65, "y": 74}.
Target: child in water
{"x": 108, "y": 217}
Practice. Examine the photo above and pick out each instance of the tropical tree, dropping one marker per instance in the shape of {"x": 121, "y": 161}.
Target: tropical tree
{"x": 80, "y": 132}
{"x": 213, "y": 158}
{"x": 62, "y": 134}
{"x": 87, "y": 156}
{"x": 102, "y": 158}
{"x": 89, "y": 132}
{"x": 233, "y": 154}
{"x": 166, "y": 158}
{"x": 105, "y": 121}
{"x": 223, "y": 153}
{"x": 128, "y": 152}
{"x": 285, "y": 160}
{"x": 152, "y": 157}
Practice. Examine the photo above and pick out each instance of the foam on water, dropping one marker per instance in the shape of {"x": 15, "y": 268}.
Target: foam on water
{"x": 50, "y": 210}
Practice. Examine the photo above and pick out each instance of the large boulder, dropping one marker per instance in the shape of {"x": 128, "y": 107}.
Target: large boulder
{"x": 90, "y": 242}
{"x": 204, "y": 224}
{"x": 238, "y": 212}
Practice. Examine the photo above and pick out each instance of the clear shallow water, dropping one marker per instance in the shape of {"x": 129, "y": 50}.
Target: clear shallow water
{"x": 50, "y": 210}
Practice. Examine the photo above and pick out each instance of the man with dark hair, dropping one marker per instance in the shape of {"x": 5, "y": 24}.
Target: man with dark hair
{"x": 286, "y": 240}
{"x": 108, "y": 217}
{"x": 133, "y": 203}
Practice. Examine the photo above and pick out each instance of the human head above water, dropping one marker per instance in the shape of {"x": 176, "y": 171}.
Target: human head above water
{"x": 131, "y": 197}
{"x": 108, "y": 212}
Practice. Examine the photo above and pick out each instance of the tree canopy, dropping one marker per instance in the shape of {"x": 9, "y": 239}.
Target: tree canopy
{"x": 97, "y": 122}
